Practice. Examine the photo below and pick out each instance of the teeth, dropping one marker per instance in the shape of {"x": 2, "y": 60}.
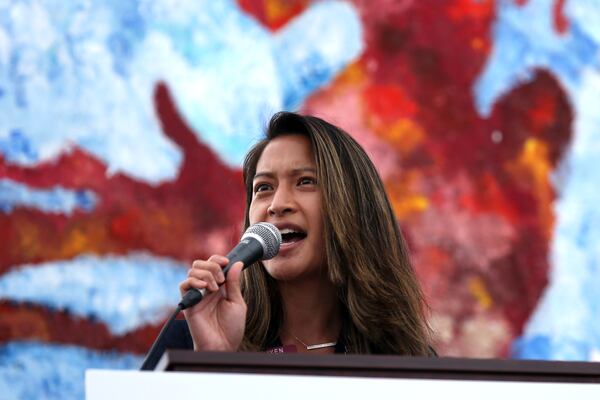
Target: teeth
{"x": 287, "y": 230}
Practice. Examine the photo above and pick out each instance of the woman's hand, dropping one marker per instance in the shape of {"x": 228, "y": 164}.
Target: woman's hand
{"x": 216, "y": 323}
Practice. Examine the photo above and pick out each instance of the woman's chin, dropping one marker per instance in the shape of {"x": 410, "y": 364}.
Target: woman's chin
{"x": 286, "y": 271}
{"x": 281, "y": 272}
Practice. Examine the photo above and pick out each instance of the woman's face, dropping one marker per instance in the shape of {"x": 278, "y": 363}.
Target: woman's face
{"x": 286, "y": 193}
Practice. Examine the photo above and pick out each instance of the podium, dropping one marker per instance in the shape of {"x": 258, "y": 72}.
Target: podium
{"x": 300, "y": 376}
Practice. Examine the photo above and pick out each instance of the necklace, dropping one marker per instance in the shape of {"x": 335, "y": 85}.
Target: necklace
{"x": 314, "y": 346}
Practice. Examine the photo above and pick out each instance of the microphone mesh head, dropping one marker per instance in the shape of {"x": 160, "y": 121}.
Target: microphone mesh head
{"x": 270, "y": 235}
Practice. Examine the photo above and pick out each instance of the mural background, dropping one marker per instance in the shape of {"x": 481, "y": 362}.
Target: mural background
{"x": 123, "y": 125}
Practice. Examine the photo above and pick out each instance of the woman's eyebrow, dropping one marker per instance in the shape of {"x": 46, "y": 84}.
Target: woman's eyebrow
{"x": 266, "y": 173}
{"x": 293, "y": 172}
{"x": 297, "y": 171}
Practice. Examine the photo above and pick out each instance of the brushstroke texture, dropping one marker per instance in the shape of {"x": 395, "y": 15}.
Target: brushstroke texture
{"x": 125, "y": 293}
{"x": 56, "y": 200}
{"x": 565, "y": 324}
{"x": 88, "y": 70}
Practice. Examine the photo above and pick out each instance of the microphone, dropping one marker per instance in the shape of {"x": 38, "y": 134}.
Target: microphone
{"x": 261, "y": 241}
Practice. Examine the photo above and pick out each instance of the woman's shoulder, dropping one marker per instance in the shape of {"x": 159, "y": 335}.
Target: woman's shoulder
{"x": 178, "y": 336}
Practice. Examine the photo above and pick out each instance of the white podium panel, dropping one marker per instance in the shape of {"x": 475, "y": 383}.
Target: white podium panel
{"x": 129, "y": 385}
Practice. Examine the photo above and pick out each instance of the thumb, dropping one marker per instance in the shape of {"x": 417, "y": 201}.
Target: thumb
{"x": 234, "y": 292}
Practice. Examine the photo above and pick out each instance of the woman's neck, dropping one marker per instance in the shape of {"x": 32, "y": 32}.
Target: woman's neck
{"x": 311, "y": 312}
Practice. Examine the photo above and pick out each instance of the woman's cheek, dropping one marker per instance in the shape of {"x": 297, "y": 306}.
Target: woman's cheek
{"x": 252, "y": 213}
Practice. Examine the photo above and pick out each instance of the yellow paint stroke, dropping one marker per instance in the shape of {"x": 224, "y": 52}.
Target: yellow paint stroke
{"x": 405, "y": 135}
{"x": 533, "y": 167}
{"x": 409, "y": 205}
{"x": 75, "y": 242}
{"x": 29, "y": 239}
{"x": 85, "y": 238}
{"x": 352, "y": 75}
{"x": 276, "y": 10}
{"x": 477, "y": 43}
{"x": 479, "y": 291}
{"x": 404, "y": 195}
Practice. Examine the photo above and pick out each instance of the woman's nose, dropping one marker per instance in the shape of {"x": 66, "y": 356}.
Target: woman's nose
{"x": 282, "y": 202}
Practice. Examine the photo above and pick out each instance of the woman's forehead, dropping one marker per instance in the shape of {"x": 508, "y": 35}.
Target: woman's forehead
{"x": 287, "y": 151}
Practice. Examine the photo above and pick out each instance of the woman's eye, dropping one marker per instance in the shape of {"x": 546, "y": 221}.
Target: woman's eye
{"x": 261, "y": 187}
{"x": 307, "y": 181}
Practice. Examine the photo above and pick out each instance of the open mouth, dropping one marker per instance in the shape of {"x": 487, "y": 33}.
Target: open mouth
{"x": 289, "y": 236}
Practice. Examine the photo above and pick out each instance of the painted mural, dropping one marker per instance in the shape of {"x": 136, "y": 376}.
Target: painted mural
{"x": 123, "y": 125}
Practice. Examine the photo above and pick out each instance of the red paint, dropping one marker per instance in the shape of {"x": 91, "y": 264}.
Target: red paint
{"x": 389, "y": 102}
{"x": 561, "y": 23}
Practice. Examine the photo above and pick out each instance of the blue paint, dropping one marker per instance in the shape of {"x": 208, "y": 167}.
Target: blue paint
{"x": 18, "y": 81}
{"x": 17, "y": 147}
{"x": 31, "y": 370}
{"x": 121, "y": 49}
{"x": 524, "y": 40}
{"x": 57, "y": 200}
{"x": 123, "y": 292}
{"x": 93, "y": 67}
{"x": 53, "y": 68}
{"x": 130, "y": 29}
{"x": 86, "y": 200}
{"x": 306, "y": 59}
{"x": 539, "y": 347}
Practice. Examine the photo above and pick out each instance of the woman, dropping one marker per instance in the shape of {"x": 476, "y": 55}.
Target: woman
{"x": 342, "y": 281}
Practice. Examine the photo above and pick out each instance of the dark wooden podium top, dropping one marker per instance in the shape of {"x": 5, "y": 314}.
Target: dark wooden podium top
{"x": 381, "y": 366}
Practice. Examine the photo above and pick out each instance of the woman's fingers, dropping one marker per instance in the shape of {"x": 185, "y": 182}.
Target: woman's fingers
{"x": 219, "y": 259}
{"x": 205, "y": 274}
{"x": 192, "y": 283}
{"x": 234, "y": 292}
{"x": 214, "y": 264}
{"x": 217, "y": 323}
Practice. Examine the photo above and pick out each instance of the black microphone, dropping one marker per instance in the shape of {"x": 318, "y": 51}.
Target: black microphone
{"x": 261, "y": 241}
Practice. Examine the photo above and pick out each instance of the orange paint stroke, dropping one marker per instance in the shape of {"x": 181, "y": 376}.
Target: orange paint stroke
{"x": 533, "y": 169}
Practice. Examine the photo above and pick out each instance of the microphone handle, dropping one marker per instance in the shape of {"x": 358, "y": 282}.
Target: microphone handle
{"x": 249, "y": 250}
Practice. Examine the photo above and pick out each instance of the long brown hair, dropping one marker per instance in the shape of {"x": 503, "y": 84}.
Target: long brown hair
{"x": 366, "y": 256}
